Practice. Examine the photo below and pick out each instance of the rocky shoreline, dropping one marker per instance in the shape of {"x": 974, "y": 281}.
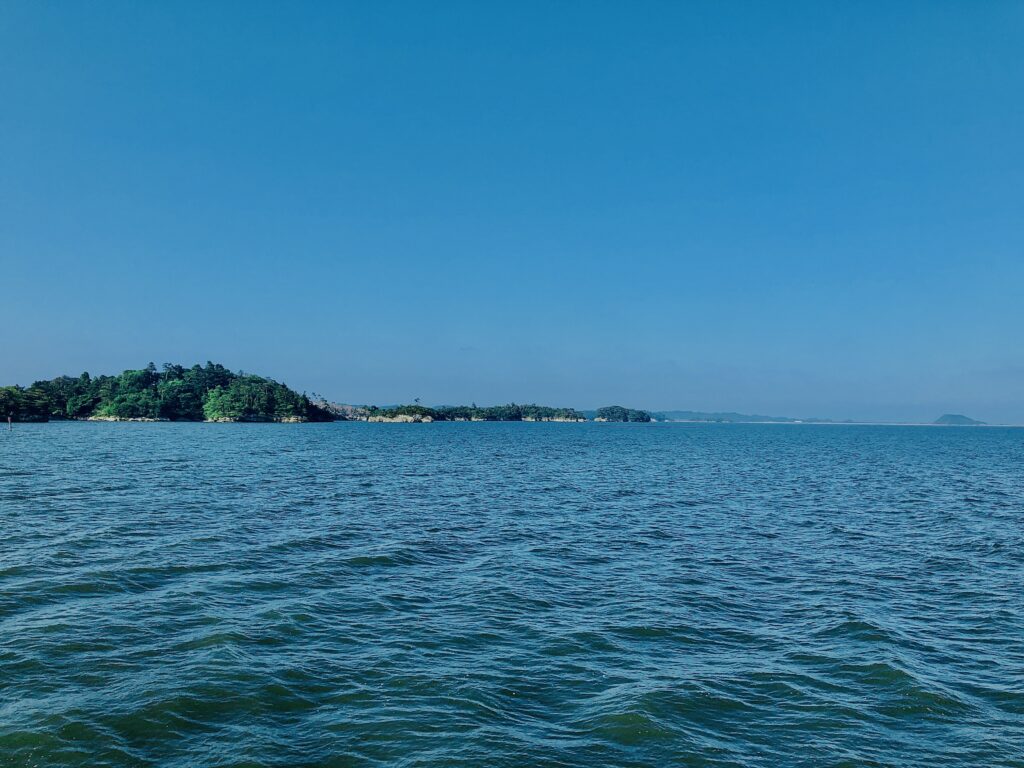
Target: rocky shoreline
{"x": 225, "y": 420}
{"x": 405, "y": 418}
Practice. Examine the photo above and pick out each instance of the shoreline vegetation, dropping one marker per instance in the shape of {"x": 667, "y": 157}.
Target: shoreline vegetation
{"x": 509, "y": 412}
{"x": 213, "y": 393}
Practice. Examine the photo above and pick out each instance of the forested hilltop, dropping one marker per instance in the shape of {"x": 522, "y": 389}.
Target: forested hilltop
{"x": 175, "y": 393}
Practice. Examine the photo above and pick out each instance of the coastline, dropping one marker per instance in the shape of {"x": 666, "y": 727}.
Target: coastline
{"x": 406, "y": 419}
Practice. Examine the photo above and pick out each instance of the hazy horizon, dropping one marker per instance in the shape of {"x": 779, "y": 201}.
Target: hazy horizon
{"x": 802, "y": 210}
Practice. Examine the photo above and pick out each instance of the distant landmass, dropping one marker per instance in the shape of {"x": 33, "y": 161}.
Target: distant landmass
{"x": 618, "y": 413}
{"x": 731, "y": 417}
{"x": 957, "y": 420}
{"x": 509, "y": 412}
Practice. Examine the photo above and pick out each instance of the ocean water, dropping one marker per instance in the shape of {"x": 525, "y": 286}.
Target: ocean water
{"x": 351, "y": 594}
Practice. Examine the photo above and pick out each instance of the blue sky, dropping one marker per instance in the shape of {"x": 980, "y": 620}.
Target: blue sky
{"x": 807, "y": 209}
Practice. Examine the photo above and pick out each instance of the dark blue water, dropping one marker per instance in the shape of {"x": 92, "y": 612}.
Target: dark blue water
{"x": 511, "y": 595}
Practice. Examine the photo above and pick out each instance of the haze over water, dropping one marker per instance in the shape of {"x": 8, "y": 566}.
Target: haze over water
{"x": 510, "y": 594}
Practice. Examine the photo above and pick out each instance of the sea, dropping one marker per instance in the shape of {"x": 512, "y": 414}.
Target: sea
{"x": 511, "y": 594}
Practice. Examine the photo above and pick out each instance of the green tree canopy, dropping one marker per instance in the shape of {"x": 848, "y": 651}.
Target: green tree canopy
{"x": 176, "y": 393}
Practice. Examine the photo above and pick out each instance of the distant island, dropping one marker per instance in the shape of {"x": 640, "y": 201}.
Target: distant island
{"x": 731, "y": 417}
{"x": 957, "y": 420}
{"x": 618, "y": 413}
{"x": 510, "y": 412}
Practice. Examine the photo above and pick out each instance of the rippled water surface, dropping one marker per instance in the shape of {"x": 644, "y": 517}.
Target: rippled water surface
{"x": 511, "y": 595}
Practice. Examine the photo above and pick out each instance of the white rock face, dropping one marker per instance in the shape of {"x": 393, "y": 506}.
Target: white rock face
{"x": 279, "y": 420}
{"x": 120, "y": 418}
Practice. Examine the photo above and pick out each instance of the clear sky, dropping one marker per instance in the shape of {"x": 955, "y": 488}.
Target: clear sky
{"x": 808, "y": 209}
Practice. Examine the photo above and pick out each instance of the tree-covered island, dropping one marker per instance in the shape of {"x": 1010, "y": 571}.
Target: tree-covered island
{"x": 175, "y": 393}
{"x": 618, "y": 413}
